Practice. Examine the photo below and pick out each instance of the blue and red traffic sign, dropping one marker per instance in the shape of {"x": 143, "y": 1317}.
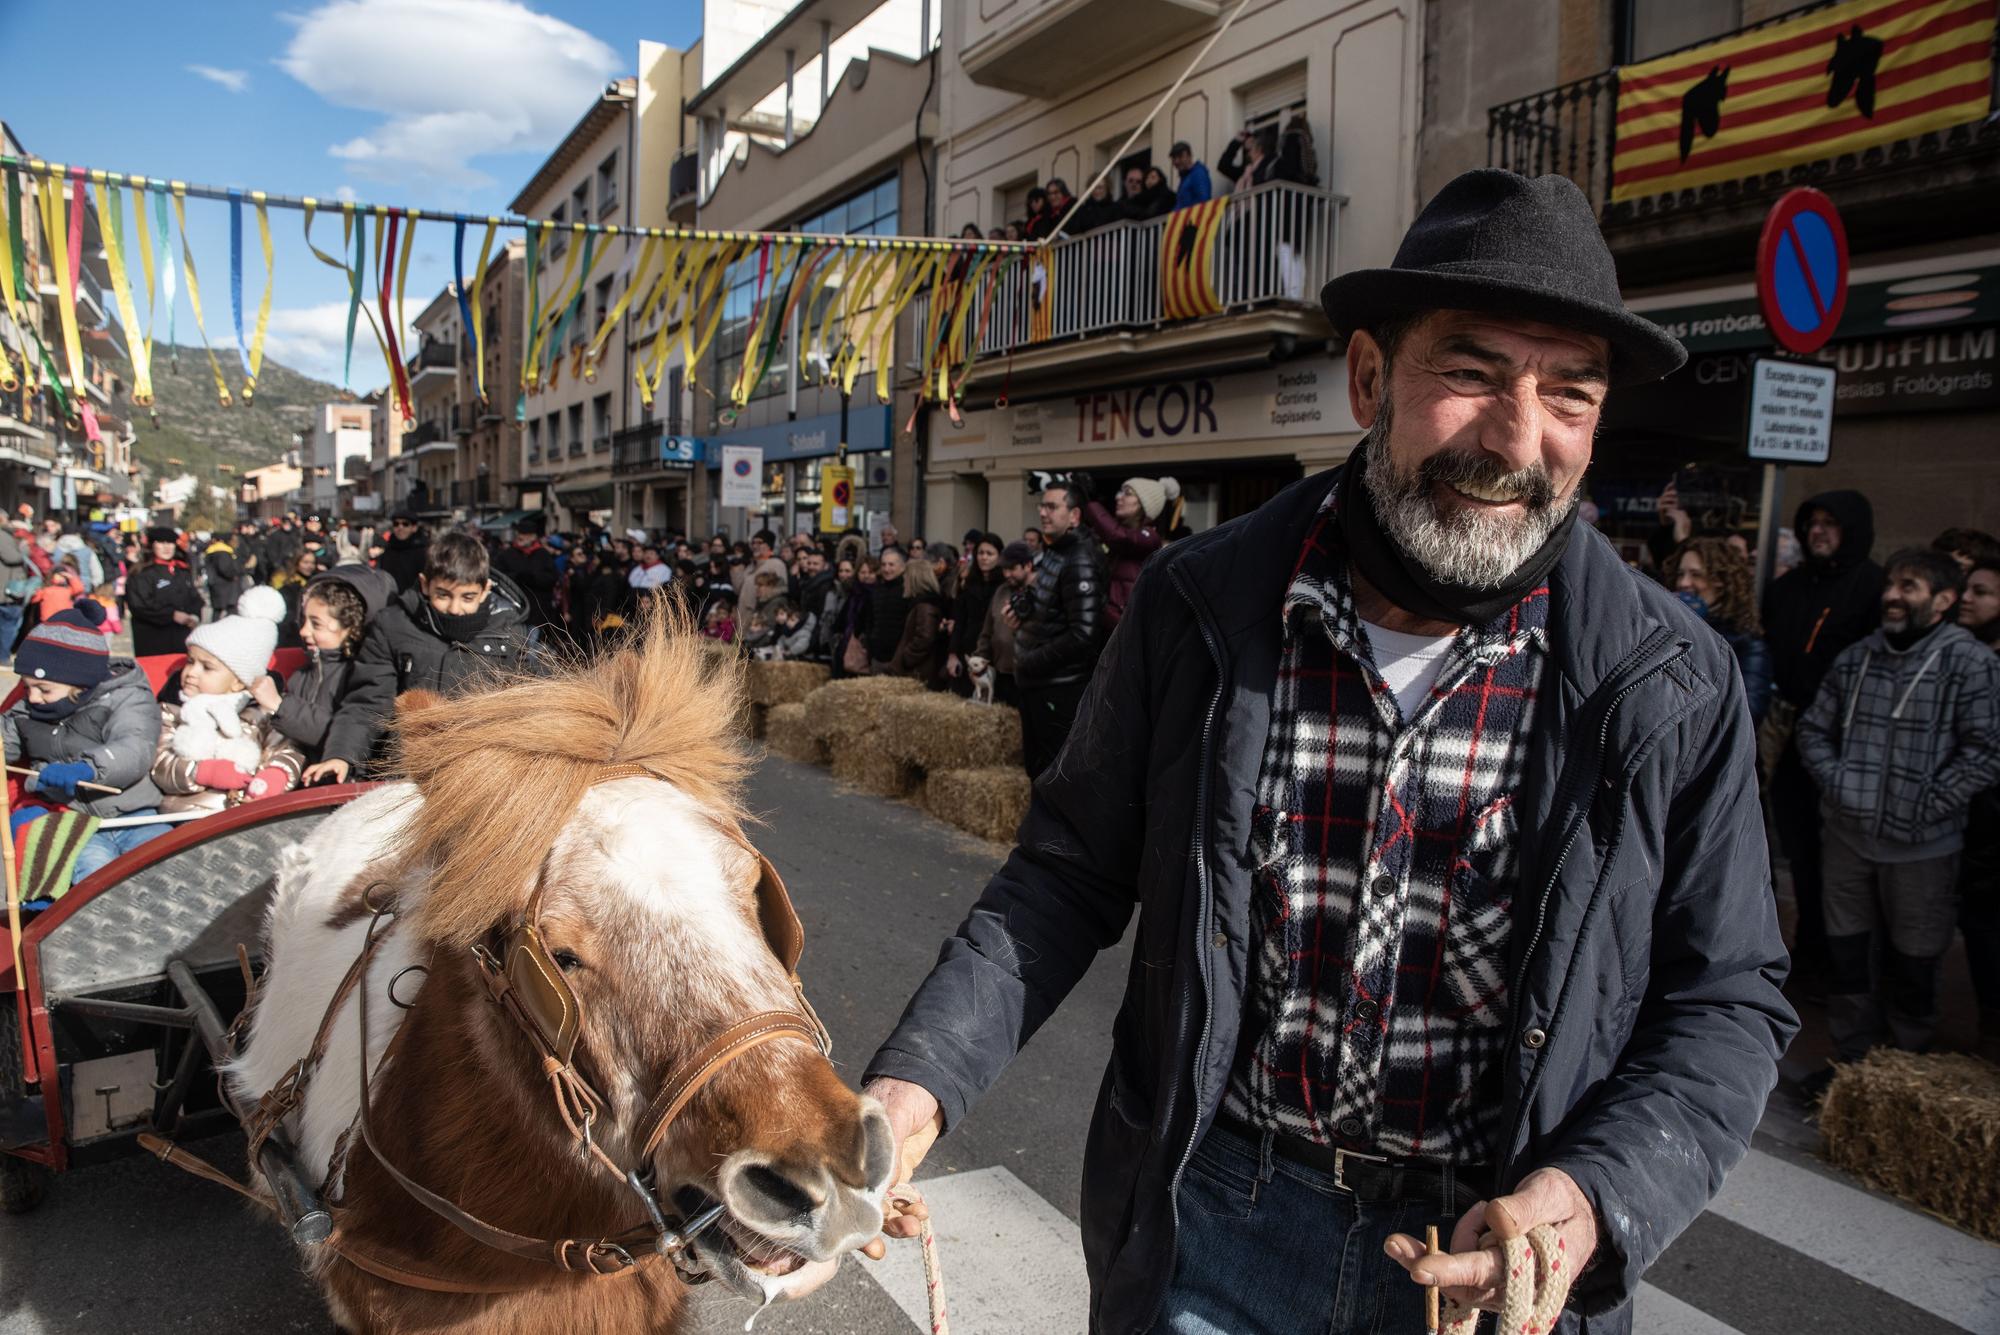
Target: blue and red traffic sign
{"x": 1802, "y": 270}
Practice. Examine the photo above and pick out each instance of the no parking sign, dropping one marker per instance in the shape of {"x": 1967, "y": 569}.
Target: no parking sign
{"x": 1802, "y": 270}
{"x": 743, "y": 476}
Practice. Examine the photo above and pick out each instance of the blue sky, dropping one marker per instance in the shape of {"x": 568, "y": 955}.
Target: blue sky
{"x": 446, "y": 104}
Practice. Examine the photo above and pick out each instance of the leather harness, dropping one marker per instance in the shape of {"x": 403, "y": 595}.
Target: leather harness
{"x": 525, "y": 981}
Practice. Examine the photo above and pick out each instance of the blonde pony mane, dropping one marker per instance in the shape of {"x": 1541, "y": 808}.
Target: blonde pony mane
{"x": 501, "y": 771}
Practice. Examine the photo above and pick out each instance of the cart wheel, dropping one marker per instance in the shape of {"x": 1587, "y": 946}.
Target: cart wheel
{"x": 22, "y": 1184}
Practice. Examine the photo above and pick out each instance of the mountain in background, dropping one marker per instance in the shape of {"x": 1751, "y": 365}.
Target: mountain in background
{"x": 197, "y": 431}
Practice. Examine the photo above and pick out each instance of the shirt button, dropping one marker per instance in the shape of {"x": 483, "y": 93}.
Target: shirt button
{"x": 1219, "y": 940}
{"x": 1351, "y": 1127}
{"x": 1535, "y": 1038}
{"x": 1383, "y": 886}
{"x": 1367, "y": 1010}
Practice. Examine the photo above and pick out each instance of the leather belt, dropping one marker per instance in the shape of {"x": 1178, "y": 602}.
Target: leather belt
{"x": 1374, "y": 1178}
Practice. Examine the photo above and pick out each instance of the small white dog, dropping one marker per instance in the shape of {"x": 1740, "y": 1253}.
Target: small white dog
{"x": 981, "y": 673}
{"x": 211, "y": 728}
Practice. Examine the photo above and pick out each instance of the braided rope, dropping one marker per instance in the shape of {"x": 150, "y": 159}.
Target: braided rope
{"x": 933, "y": 1280}
{"x": 1533, "y": 1287}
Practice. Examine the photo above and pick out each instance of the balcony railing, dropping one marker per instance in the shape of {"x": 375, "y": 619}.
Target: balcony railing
{"x": 1572, "y": 130}
{"x": 1273, "y": 246}
{"x": 683, "y": 179}
{"x": 651, "y": 447}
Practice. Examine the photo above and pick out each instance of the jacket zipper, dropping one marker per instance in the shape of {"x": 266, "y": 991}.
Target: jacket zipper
{"x": 1204, "y": 910}
{"x": 1637, "y": 679}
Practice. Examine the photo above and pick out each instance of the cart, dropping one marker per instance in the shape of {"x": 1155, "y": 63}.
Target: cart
{"x": 127, "y": 989}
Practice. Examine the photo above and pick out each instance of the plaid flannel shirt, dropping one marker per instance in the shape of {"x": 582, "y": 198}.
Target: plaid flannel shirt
{"x": 1381, "y": 909}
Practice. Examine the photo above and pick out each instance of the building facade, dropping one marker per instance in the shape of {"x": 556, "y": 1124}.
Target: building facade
{"x": 339, "y": 449}
{"x": 611, "y": 169}
{"x": 1537, "y": 88}
{"x": 435, "y": 407}
{"x": 1130, "y": 351}
{"x": 825, "y": 122}
{"x": 490, "y": 455}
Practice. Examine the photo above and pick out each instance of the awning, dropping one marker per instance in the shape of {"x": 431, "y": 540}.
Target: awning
{"x": 587, "y": 498}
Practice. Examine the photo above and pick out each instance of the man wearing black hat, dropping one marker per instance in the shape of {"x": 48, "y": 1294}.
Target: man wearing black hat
{"x": 163, "y": 597}
{"x": 1442, "y": 826}
{"x": 532, "y": 567}
{"x": 403, "y": 550}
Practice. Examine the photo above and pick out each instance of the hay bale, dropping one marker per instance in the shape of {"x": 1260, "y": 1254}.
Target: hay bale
{"x": 784, "y": 682}
{"x": 785, "y": 732}
{"x": 934, "y": 731}
{"x": 843, "y": 710}
{"x": 867, "y": 767}
{"x": 1918, "y": 1127}
{"x": 988, "y": 802}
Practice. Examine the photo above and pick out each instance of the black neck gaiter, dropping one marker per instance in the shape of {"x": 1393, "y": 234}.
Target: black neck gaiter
{"x": 460, "y": 628}
{"x": 1398, "y": 577}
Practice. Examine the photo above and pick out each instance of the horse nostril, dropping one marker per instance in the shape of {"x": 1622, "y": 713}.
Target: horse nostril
{"x": 878, "y": 1148}
{"x": 785, "y": 1198}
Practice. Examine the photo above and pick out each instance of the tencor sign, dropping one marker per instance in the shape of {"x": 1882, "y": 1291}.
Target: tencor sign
{"x": 1791, "y": 411}
{"x": 1298, "y": 399}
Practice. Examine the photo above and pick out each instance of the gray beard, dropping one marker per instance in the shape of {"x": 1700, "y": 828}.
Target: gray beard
{"x": 1472, "y": 548}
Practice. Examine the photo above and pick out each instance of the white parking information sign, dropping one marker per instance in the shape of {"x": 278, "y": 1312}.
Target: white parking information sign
{"x": 1791, "y": 411}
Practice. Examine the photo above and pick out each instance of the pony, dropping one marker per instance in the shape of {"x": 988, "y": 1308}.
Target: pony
{"x": 600, "y": 807}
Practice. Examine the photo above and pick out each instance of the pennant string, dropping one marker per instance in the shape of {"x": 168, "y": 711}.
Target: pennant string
{"x": 479, "y": 312}
{"x": 110, "y": 209}
{"x": 264, "y": 302}
{"x": 194, "y": 297}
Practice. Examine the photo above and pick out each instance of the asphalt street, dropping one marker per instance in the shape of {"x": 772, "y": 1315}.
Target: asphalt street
{"x": 135, "y": 1247}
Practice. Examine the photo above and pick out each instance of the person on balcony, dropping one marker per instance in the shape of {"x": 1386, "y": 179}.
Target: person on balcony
{"x": 1098, "y": 209}
{"x": 1146, "y": 194}
{"x": 1040, "y": 221}
{"x": 1195, "y": 187}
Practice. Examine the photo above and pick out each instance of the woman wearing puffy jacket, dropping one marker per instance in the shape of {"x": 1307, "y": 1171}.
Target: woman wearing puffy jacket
{"x": 1130, "y": 532}
{"x": 1715, "y": 580}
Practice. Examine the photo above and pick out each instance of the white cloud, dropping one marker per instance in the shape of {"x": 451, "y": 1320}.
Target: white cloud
{"x": 345, "y": 194}
{"x": 454, "y": 80}
{"x": 236, "y": 81}
{"x": 313, "y": 340}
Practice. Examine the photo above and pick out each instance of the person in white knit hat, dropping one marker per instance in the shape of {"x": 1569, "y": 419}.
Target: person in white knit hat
{"x": 217, "y": 747}
{"x": 1131, "y": 533}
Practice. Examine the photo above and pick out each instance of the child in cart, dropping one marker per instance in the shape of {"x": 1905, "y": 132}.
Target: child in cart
{"x": 86, "y": 729}
{"x": 334, "y": 613}
{"x": 217, "y": 747}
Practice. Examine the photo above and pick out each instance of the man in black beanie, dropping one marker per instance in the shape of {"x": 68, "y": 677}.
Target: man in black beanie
{"x": 1443, "y": 832}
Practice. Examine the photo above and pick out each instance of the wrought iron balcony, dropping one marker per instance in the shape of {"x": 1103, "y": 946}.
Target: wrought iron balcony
{"x": 1273, "y": 246}
{"x": 1573, "y": 129}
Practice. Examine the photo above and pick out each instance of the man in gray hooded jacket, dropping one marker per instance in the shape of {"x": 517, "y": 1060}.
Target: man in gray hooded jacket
{"x": 1904, "y": 733}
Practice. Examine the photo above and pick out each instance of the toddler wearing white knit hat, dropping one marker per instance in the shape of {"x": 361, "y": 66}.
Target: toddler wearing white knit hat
{"x": 243, "y": 642}
{"x": 216, "y": 747}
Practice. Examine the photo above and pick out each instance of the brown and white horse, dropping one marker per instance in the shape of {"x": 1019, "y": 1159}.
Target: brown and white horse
{"x": 646, "y": 895}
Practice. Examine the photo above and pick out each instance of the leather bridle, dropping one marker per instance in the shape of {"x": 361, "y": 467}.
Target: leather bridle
{"x": 525, "y": 981}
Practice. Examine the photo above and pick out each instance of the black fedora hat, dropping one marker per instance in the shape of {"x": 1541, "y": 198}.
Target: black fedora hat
{"x": 1526, "y": 246}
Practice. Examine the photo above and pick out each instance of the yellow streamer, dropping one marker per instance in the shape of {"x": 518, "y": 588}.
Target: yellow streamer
{"x": 403, "y": 277}
{"x": 647, "y": 253}
{"x": 479, "y": 312}
{"x": 121, "y": 289}
{"x": 9, "y": 381}
{"x": 264, "y": 306}
{"x": 774, "y": 278}
{"x": 728, "y": 256}
{"x": 676, "y": 273}
{"x": 924, "y": 275}
{"x": 839, "y": 264}
{"x": 552, "y": 313}
{"x": 845, "y": 310}
{"x": 194, "y": 292}
{"x": 55, "y": 235}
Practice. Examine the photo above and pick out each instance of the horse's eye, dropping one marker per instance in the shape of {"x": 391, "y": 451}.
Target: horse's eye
{"x": 566, "y": 960}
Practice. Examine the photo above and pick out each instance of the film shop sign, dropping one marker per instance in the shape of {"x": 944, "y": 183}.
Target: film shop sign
{"x": 1297, "y": 399}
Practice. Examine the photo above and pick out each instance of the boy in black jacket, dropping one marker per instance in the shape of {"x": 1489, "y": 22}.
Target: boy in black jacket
{"x": 335, "y": 611}
{"x": 459, "y": 629}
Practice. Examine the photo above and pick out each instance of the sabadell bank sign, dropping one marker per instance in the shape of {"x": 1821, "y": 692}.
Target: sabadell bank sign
{"x": 1299, "y": 399}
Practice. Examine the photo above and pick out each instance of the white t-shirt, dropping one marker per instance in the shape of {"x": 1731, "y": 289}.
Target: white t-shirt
{"x": 1408, "y": 663}
{"x": 650, "y": 577}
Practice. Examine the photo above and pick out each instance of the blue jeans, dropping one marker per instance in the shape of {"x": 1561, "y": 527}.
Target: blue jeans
{"x": 10, "y": 626}
{"x": 1271, "y": 1247}
{"x": 106, "y": 845}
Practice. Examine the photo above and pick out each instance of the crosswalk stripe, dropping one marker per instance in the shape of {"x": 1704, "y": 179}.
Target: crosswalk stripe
{"x": 1911, "y": 1256}
{"x": 1657, "y": 1312}
{"x": 1013, "y": 1263}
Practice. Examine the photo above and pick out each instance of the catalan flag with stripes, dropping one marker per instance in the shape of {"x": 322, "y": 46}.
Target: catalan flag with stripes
{"x": 1187, "y": 261}
{"x": 1837, "y": 80}
{"x": 1041, "y": 298}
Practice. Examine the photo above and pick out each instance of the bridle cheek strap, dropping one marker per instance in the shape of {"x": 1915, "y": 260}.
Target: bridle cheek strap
{"x": 689, "y": 1078}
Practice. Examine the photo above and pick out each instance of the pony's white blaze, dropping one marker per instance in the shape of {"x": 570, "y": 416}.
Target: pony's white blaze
{"x": 305, "y": 958}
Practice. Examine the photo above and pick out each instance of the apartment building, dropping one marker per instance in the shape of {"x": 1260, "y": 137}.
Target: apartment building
{"x": 630, "y": 135}
{"x": 74, "y": 463}
{"x": 1129, "y": 350}
{"x": 490, "y": 458}
{"x": 826, "y": 122}
{"x": 390, "y": 470}
{"x": 1914, "y": 172}
{"x": 435, "y": 405}
{"x": 338, "y": 452}
{"x": 266, "y": 493}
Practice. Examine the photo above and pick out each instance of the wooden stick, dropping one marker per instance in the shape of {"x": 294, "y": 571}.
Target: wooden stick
{"x": 1431, "y": 1291}
{"x": 82, "y": 784}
